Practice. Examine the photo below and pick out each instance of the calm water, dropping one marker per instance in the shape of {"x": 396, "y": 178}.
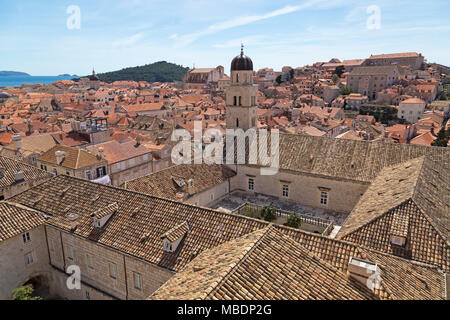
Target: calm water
{"x": 17, "y": 81}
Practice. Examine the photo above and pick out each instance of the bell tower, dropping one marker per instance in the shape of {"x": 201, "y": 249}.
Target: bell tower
{"x": 241, "y": 95}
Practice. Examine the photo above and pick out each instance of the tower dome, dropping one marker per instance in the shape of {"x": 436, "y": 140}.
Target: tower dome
{"x": 242, "y": 62}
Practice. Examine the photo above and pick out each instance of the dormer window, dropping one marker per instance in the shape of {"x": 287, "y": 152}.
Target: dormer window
{"x": 173, "y": 237}
{"x": 398, "y": 241}
{"x": 366, "y": 272}
{"x": 399, "y": 229}
{"x": 102, "y": 215}
{"x": 179, "y": 181}
{"x": 167, "y": 245}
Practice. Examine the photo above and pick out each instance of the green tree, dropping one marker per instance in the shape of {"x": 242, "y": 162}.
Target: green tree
{"x": 268, "y": 213}
{"x": 293, "y": 221}
{"x": 335, "y": 78}
{"x": 278, "y": 79}
{"x": 25, "y": 293}
{"x": 345, "y": 91}
{"x": 291, "y": 74}
{"x": 442, "y": 96}
{"x": 339, "y": 71}
{"x": 443, "y": 137}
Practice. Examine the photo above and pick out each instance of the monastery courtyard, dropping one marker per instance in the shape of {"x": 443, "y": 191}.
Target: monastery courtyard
{"x": 237, "y": 199}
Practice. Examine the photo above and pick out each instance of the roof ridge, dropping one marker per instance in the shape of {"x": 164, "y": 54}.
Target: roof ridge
{"x": 373, "y": 219}
{"x": 78, "y": 158}
{"x": 419, "y": 174}
{"x": 426, "y": 161}
{"x": 362, "y": 199}
{"x": 430, "y": 221}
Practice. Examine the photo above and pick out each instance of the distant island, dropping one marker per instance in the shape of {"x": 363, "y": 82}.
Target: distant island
{"x": 160, "y": 71}
{"x": 13, "y": 73}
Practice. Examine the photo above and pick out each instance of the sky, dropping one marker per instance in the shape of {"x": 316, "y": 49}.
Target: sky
{"x": 53, "y": 37}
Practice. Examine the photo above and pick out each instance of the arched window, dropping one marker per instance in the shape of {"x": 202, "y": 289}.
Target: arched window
{"x": 235, "y": 100}
{"x": 237, "y": 123}
{"x": 240, "y": 100}
{"x": 237, "y": 77}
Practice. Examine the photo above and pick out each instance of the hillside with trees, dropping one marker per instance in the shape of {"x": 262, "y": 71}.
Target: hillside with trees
{"x": 12, "y": 73}
{"x": 160, "y": 71}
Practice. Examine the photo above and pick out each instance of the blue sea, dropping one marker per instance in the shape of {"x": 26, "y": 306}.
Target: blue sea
{"x": 17, "y": 81}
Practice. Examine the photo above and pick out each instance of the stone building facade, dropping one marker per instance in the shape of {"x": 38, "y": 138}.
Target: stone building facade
{"x": 105, "y": 273}
{"x": 197, "y": 78}
{"x": 337, "y": 195}
{"x": 411, "y": 110}
{"x": 22, "y": 260}
{"x": 411, "y": 59}
{"x": 369, "y": 80}
{"x": 73, "y": 162}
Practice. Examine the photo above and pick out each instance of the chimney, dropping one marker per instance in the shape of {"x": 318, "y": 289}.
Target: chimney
{"x": 101, "y": 153}
{"x": 20, "y": 176}
{"x": 60, "y": 155}
{"x": 29, "y": 127}
{"x": 190, "y": 186}
{"x": 180, "y": 196}
{"x": 17, "y": 139}
{"x": 365, "y": 272}
{"x": 73, "y": 221}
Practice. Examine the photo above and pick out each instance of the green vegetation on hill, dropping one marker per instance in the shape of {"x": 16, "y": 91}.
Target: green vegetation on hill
{"x": 161, "y": 71}
{"x": 12, "y": 73}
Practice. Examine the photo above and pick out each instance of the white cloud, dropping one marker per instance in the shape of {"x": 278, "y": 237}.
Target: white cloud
{"x": 250, "y": 40}
{"x": 129, "y": 41}
{"x": 241, "y": 21}
{"x": 357, "y": 14}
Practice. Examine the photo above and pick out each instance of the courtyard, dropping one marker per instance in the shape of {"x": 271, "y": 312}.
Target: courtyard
{"x": 313, "y": 219}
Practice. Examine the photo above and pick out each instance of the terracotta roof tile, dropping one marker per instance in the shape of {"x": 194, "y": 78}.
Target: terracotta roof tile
{"x": 16, "y": 219}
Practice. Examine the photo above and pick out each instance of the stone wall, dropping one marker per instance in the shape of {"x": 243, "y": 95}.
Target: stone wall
{"x": 209, "y": 196}
{"x": 95, "y": 263}
{"x": 303, "y": 189}
{"x": 13, "y": 270}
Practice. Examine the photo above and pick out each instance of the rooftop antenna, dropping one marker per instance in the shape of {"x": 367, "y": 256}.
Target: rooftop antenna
{"x": 242, "y": 48}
